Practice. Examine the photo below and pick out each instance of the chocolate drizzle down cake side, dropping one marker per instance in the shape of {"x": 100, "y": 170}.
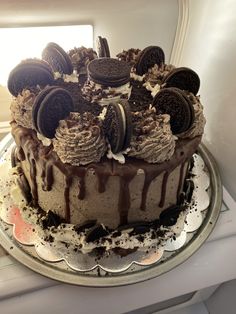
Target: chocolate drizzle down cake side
{"x": 108, "y": 151}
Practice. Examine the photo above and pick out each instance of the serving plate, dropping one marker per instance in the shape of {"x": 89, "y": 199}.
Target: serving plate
{"x": 63, "y": 264}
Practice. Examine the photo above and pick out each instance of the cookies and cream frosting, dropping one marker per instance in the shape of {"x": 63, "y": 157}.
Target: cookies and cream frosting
{"x": 79, "y": 139}
{"x": 21, "y": 107}
{"x": 80, "y": 57}
{"x": 199, "y": 122}
{"x": 130, "y": 55}
{"x": 95, "y": 92}
{"x": 152, "y": 80}
{"x": 152, "y": 138}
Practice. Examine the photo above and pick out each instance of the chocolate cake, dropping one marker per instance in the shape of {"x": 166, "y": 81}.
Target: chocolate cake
{"x": 113, "y": 148}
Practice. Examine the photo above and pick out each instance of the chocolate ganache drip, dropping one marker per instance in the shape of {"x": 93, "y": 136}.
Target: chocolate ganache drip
{"x": 43, "y": 159}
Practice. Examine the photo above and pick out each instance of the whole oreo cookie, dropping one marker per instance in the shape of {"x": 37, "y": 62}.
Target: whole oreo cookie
{"x": 118, "y": 126}
{"x": 175, "y": 102}
{"x": 29, "y": 73}
{"x": 57, "y": 58}
{"x": 51, "y": 105}
{"x": 183, "y": 78}
{"x": 109, "y": 72}
{"x": 148, "y": 58}
{"x": 103, "y": 48}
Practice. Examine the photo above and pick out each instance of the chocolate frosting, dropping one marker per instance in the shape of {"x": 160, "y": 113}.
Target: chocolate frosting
{"x": 156, "y": 74}
{"x": 79, "y": 139}
{"x": 198, "y": 125}
{"x": 152, "y": 138}
{"x": 80, "y": 58}
{"x": 21, "y": 107}
{"x": 130, "y": 55}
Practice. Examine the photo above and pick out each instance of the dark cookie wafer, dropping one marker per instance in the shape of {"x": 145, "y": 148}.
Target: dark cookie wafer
{"x": 109, "y": 72}
{"x": 150, "y": 56}
{"x": 118, "y": 126}
{"x": 174, "y": 102}
{"x": 14, "y": 159}
{"x": 183, "y": 78}
{"x": 29, "y": 73}
{"x": 103, "y": 50}
{"x": 57, "y": 58}
{"x": 37, "y": 103}
{"x": 50, "y": 106}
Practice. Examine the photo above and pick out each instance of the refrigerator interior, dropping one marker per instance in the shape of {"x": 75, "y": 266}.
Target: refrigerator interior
{"x": 197, "y": 34}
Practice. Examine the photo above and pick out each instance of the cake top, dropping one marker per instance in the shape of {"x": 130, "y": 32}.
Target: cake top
{"x": 90, "y": 106}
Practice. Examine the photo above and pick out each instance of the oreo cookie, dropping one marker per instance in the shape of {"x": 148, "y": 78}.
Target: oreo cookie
{"x": 29, "y": 73}
{"x": 148, "y": 57}
{"x": 170, "y": 215}
{"x": 14, "y": 159}
{"x": 118, "y": 126}
{"x": 109, "y": 72}
{"x": 85, "y": 225}
{"x": 103, "y": 48}
{"x": 97, "y": 232}
{"x": 51, "y": 105}
{"x": 57, "y": 58}
{"x": 175, "y": 102}
{"x": 183, "y": 78}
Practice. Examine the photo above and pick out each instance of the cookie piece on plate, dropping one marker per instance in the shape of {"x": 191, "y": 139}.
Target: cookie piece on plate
{"x": 183, "y": 78}
{"x": 150, "y": 56}
{"x": 57, "y": 58}
{"x": 50, "y": 106}
{"x": 29, "y": 73}
{"x": 118, "y": 126}
{"x": 175, "y": 102}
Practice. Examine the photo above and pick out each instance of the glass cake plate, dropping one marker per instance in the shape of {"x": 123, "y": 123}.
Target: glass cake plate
{"x": 62, "y": 263}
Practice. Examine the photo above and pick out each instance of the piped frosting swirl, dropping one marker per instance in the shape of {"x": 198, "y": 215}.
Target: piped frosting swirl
{"x": 79, "y": 139}
{"x": 152, "y": 138}
{"x": 21, "y": 107}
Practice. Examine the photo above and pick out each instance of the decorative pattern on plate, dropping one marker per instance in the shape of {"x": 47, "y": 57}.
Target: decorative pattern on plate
{"x": 25, "y": 233}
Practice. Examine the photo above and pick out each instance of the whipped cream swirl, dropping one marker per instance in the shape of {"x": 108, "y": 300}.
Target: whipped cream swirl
{"x": 21, "y": 107}
{"x": 79, "y": 139}
{"x": 198, "y": 125}
{"x": 152, "y": 138}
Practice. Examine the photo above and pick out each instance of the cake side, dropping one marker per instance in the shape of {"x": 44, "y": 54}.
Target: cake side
{"x": 112, "y": 193}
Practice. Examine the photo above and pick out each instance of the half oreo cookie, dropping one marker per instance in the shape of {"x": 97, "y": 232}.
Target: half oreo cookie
{"x": 29, "y": 73}
{"x": 118, "y": 126}
{"x": 57, "y": 58}
{"x": 50, "y": 106}
{"x": 183, "y": 78}
{"x": 175, "y": 102}
{"x": 148, "y": 57}
{"x": 103, "y": 48}
{"x": 109, "y": 72}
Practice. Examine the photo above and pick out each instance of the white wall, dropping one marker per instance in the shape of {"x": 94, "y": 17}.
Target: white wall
{"x": 125, "y": 23}
{"x": 210, "y": 49}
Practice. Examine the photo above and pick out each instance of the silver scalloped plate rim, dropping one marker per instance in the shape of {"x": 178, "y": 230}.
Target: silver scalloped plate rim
{"x": 20, "y": 253}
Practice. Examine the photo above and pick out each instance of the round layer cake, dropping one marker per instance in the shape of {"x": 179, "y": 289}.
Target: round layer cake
{"x": 113, "y": 147}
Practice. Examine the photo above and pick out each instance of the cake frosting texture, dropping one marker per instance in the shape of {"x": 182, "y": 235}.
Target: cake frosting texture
{"x": 69, "y": 173}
